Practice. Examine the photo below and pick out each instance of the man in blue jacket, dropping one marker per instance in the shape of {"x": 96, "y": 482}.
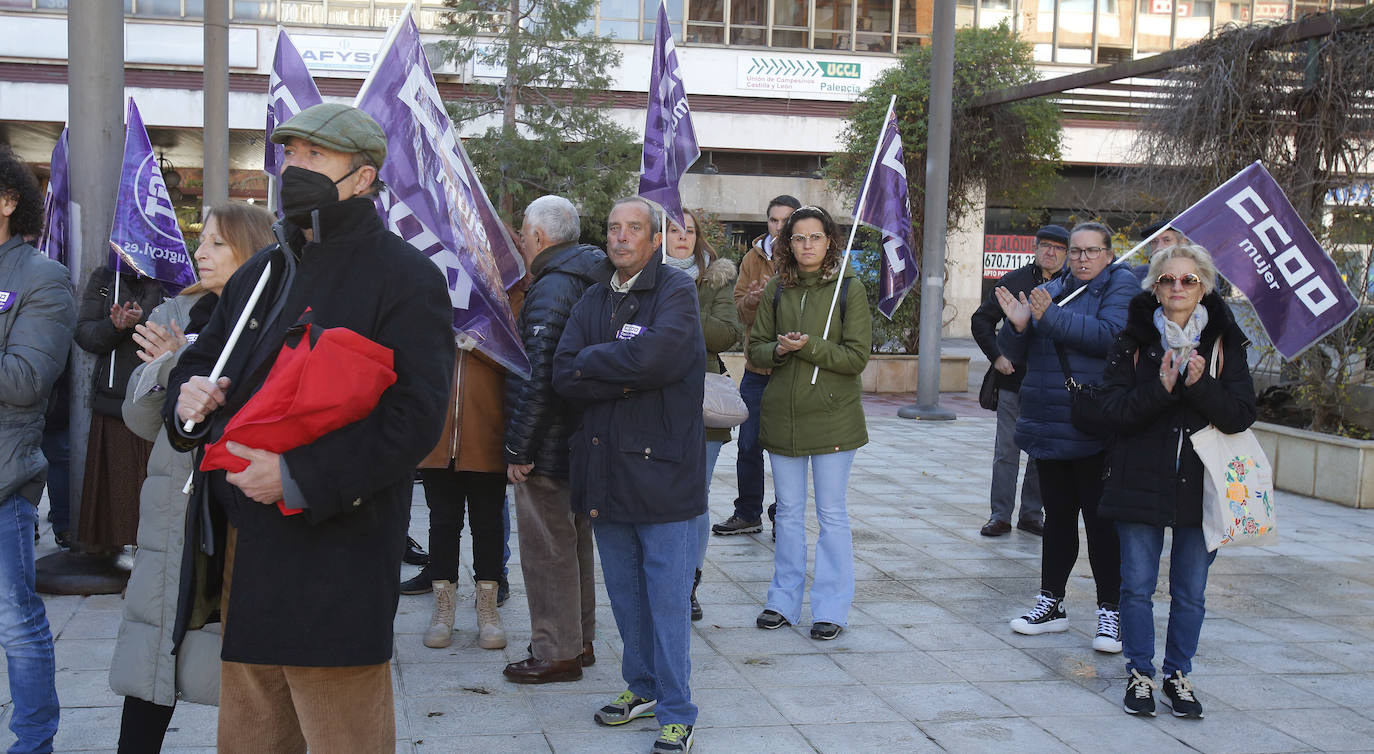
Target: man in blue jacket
{"x": 633, "y": 360}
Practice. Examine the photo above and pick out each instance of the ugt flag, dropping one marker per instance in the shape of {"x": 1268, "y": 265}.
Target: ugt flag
{"x": 290, "y": 90}
{"x": 145, "y": 236}
{"x": 433, "y": 200}
{"x": 670, "y": 142}
{"x": 885, "y": 209}
{"x": 1261, "y": 245}
{"x": 56, "y": 205}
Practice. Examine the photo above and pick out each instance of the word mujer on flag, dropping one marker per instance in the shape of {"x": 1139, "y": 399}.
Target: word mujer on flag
{"x": 434, "y": 201}
{"x": 1260, "y": 244}
{"x": 290, "y": 89}
{"x": 56, "y": 205}
{"x": 670, "y": 141}
{"x": 884, "y": 207}
{"x": 145, "y": 236}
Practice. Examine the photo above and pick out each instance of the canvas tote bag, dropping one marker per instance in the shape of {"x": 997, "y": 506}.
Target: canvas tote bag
{"x": 1238, "y": 484}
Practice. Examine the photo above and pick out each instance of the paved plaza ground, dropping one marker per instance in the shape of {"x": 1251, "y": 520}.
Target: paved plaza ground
{"x": 1286, "y": 661}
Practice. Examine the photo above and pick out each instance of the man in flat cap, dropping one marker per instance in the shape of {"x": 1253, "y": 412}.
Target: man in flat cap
{"x": 309, "y": 597}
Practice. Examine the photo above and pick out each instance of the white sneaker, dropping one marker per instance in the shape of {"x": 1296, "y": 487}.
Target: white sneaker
{"x": 1046, "y": 617}
{"x": 1108, "y": 638}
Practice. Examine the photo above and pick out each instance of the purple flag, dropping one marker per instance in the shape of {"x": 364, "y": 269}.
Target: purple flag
{"x": 145, "y": 236}
{"x": 434, "y": 201}
{"x": 886, "y": 210}
{"x": 290, "y": 90}
{"x": 56, "y": 205}
{"x": 670, "y": 142}
{"x": 1261, "y": 245}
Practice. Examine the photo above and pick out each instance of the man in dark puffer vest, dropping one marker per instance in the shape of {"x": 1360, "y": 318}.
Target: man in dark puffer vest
{"x": 555, "y": 544}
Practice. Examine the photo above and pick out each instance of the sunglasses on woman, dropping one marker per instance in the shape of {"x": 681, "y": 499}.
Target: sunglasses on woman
{"x": 1190, "y": 280}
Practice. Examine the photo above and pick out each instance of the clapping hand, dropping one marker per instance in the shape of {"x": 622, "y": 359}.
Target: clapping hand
{"x": 790, "y": 342}
{"x": 1017, "y": 310}
{"x": 755, "y": 292}
{"x": 126, "y": 315}
{"x": 1168, "y": 370}
{"x": 1196, "y": 366}
{"x": 154, "y": 340}
{"x": 1040, "y": 302}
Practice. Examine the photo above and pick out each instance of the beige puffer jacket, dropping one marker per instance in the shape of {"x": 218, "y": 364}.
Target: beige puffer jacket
{"x": 143, "y": 665}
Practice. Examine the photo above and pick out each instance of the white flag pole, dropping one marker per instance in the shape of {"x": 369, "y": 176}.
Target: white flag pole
{"x": 114, "y": 296}
{"x": 854, "y": 229}
{"x": 237, "y": 331}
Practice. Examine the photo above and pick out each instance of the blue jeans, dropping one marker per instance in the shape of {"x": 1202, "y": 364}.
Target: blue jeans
{"x": 749, "y": 460}
{"x": 832, "y": 586}
{"x": 56, "y": 448}
{"x": 703, "y": 522}
{"x": 24, "y": 632}
{"x": 648, "y": 573}
{"x": 1189, "y": 559}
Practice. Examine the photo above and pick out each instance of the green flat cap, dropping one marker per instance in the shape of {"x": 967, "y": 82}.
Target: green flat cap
{"x": 338, "y": 127}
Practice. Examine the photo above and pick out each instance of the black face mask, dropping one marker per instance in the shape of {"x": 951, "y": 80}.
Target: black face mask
{"x": 303, "y": 191}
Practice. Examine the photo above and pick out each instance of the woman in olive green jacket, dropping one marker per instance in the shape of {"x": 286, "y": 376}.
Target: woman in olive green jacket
{"x": 689, "y": 251}
{"x": 820, "y": 424}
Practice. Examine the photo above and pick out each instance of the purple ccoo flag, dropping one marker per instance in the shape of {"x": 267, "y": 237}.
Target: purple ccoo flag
{"x": 145, "y": 235}
{"x": 1261, "y": 246}
{"x": 433, "y": 200}
{"x": 670, "y": 142}
{"x": 56, "y": 205}
{"x": 886, "y": 210}
{"x": 290, "y": 90}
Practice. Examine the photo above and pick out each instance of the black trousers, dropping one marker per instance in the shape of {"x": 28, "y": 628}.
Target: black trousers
{"x": 1068, "y": 488}
{"x": 447, "y": 493}
{"x": 142, "y": 726}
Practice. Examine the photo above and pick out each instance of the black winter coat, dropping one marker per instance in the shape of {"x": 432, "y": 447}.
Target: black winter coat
{"x": 538, "y": 419}
{"x": 989, "y": 314}
{"x": 1150, "y": 477}
{"x": 635, "y": 363}
{"x": 320, "y": 588}
{"x": 96, "y": 333}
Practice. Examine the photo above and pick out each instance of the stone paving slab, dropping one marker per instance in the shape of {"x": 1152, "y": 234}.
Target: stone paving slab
{"x": 1286, "y": 661}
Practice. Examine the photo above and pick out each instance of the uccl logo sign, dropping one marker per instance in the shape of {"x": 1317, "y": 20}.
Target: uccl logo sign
{"x": 152, "y": 200}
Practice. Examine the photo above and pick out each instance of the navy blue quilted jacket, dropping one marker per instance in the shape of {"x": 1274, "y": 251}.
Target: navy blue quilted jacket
{"x": 1086, "y": 327}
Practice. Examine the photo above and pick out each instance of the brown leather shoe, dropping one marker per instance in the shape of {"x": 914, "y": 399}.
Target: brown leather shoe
{"x": 995, "y": 528}
{"x": 588, "y": 655}
{"x": 535, "y": 670}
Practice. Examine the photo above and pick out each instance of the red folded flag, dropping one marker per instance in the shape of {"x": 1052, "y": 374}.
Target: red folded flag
{"x": 315, "y": 387}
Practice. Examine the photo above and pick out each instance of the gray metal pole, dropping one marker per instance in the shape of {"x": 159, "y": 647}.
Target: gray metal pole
{"x": 95, "y": 117}
{"x": 215, "y": 175}
{"x": 941, "y": 114}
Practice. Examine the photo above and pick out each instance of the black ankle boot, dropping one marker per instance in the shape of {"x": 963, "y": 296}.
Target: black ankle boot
{"x": 696, "y": 606}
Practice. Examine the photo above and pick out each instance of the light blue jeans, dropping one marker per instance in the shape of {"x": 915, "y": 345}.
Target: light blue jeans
{"x": 648, "y": 573}
{"x": 832, "y": 586}
{"x": 24, "y": 632}
{"x": 1141, "y": 546}
{"x": 703, "y": 522}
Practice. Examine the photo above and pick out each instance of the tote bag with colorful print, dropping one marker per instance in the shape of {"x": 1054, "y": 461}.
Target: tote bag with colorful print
{"x": 1238, "y": 487}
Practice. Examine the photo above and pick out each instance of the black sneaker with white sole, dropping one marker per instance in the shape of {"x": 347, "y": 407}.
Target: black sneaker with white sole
{"x": 1179, "y": 695}
{"x": 1108, "y": 638}
{"x": 771, "y": 619}
{"x": 1046, "y": 617}
{"x": 1140, "y": 695}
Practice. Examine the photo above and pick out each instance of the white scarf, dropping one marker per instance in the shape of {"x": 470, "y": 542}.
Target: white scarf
{"x": 1183, "y": 339}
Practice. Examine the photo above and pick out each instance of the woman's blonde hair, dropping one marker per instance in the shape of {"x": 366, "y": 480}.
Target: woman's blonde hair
{"x": 247, "y": 228}
{"x": 1206, "y": 268}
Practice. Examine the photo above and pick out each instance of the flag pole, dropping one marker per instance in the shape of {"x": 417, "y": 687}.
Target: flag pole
{"x": 115, "y": 297}
{"x": 854, "y": 229}
{"x": 1149, "y": 239}
{"x": 236, "y": 333}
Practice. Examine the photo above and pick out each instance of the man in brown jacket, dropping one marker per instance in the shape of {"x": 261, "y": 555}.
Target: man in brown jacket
{"x": 467, "y": 465}
{"x": 755, "y": 269}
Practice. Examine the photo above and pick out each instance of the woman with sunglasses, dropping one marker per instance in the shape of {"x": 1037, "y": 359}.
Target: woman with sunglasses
{"x": 805, "y": 423}
{"x": 1159, "y": 389}
{"x": 1045, "y": 335}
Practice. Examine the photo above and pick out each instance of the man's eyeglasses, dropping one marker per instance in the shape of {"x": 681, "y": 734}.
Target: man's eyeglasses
{"x": 813, "y": 238}
{"x": 1047, "y": 246}
{"x": 1189, "y": 280}
{"x": 1086, "y": 252}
